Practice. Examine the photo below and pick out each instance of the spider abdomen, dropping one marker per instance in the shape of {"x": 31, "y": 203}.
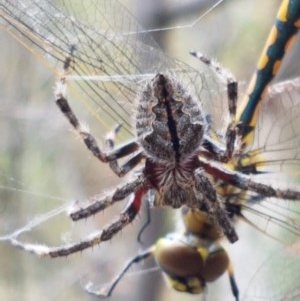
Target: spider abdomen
{"x": 169, "y": 123}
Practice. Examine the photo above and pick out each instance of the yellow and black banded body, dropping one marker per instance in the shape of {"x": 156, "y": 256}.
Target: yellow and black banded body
{"x": 279, "y": 40}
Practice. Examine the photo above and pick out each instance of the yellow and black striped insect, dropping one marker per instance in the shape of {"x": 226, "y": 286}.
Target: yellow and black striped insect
{"x": 234, "y": 168}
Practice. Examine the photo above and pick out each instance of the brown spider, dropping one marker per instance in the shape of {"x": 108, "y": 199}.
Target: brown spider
{"x": 170, "y": 133}
{"x": 179, "y": 159}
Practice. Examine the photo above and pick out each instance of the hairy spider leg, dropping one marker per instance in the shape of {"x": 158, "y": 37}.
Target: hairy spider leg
{"x": 124, "y": 150}
{"x": 105, "y": 234}
{"x": 232, "y": 95}
{"x": 110, "y": 144}
{"x": 98, "y": 203}
{"x": 88, "y": 139}
{"x": 213, "y": 205}
{"x": 245, "y": 183}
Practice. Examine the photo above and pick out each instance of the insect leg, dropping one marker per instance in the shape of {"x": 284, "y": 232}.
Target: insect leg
{"x": 106, "y": 291}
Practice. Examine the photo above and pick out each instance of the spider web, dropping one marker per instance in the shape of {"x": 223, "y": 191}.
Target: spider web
{"x": 29, "y": 220}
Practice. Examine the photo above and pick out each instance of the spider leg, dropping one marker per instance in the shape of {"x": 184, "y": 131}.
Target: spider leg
{"x": 213, "y": 205}
{"x": 121, "y": 152}
{"x": 211, "y": 149}
{"x": 88, "y": 139}
{"x": 106, "y": 291}
{"x": 110, "y": 137}
{"x": 99, "y": 203}
{"x": 125, "y": 218}
{"x": 244, "y": 182}
{"x": 232, "y": 91}
{"x": 110, "y": 144}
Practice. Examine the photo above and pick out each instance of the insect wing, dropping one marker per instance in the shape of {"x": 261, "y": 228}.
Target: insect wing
{"x": 113, "y": 55}
{"x": 273, "y": 158}
{"x": 278, "y": 277}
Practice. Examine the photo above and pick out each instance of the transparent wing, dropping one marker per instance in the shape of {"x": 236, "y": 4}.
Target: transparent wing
{"x": 276, "y": 146}
{"x": 113, "y": 55}
{"x": 274, "y": 159}
{"x": 278, "y": 277}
